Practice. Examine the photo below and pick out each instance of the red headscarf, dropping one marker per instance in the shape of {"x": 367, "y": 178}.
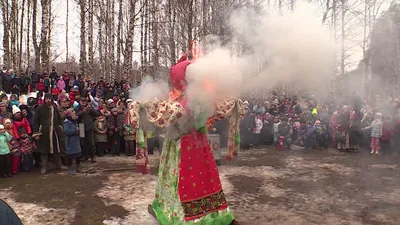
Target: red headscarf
{"x": 178, "y": 75}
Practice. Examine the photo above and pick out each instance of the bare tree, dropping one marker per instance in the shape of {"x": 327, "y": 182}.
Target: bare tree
{"x": 44, "y": 36}
{"x": 21, "y": 36}
{"x": 82, "y": 58}
{"x": 119, "y": 40}
{"x": 6, "y": 33}
{"x": 342, "y": 49}
{"x": 91, "y": 41}
{"x": 36, "y": 45}
{"x": 66, "y": 35}
{"x": 14, "y": 33}
{"x": 127, "y": 66}
{"x": 28, "y": 43}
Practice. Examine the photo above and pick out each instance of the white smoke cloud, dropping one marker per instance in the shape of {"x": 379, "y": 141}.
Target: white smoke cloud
{"x": 293, "y": 48}
{"x": 150, "y": 90}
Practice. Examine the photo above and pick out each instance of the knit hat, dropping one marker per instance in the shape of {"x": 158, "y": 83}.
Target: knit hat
{"x": 15, "y": 110}
{"x": 1, "y": 127}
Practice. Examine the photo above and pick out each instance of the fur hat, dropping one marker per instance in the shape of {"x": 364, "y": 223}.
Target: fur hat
{"x": 15, "y": 110}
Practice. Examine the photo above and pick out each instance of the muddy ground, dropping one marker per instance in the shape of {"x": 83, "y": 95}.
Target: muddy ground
{"x": 263, "y": 186}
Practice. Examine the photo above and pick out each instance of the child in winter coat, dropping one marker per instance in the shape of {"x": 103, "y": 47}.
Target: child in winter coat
{"x": 19, "y": 122}
{"x": 130, "y": 142}
{"x": 13, "y": 146}
{"x": 5, "y": 164}
{"x": 40, "y": 85}
{"x": 61, "y": 84}
{"x": 100, "y": 134}
{"x": 13, "y": 101}
{"x": 47, "y": 84}
{"x": 55, "y": 92}
{"x": 27, "y": 147}
{"x": 376, "y": 133}
{"x": 72, "y": 141}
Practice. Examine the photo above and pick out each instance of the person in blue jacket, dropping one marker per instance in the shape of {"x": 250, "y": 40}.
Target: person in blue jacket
{"x": 72, "y": 141}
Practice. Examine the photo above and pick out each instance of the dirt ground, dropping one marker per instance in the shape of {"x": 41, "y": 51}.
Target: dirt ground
{"x": 263, "y": 187}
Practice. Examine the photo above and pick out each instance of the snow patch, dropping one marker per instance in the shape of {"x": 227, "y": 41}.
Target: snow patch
{"x": 34, "y": 214}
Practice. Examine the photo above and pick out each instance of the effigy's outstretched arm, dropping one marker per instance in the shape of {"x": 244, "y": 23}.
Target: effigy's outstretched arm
{"x": 159, "y": 113}
{"x": 233, "y": 110}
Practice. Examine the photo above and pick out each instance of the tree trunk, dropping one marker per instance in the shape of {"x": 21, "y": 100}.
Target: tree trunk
{"x": 154, "y": 46}
{"x": 100, "y": 39}
{"x": 66, "y": 37}
{"x": 36, "y": 46}
{"x": 364, "y": 47}
{"x": 146, "y": 27}
{"x": 28, "y": 43}
{"x": 325, "y": 16}
{"x": 14, "y": 33}
{"x": 49, "y": 36}
{"x": 142, "y": 37}
{"x": 190, "y": 24}
{"x": 172, "y": 27}
{"x": 342, "y": 58}
{"x": 21, "y": 36}
{"x": 334, "y": 19}
{"x": 112, "y": 33}
{"x": 6, "y": 35}
{"x": 82, "y": 59}
{"x": 204, "y": 12}
{"x": 44, "y": 34}
{"x": 91, "y": 42}
{"x": 119, "y": 41}
{"x": 127, "y": 67}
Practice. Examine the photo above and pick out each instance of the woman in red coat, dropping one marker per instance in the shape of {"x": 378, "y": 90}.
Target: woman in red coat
{"x": 40, "y": 85}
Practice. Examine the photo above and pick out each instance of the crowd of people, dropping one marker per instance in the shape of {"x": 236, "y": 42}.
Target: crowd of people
{"x": 70, "y": 119}
{"x": 372, "y": 124}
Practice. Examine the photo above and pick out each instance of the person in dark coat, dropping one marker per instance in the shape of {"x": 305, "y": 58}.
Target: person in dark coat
{"x": 2, "y": 74}
{"x": 47, "y": 128}
{"x": 7, "y": 83}
{"x": 7, "y": 215}
{"x": 34, "y": 80}
{"x": 246, "y": 130}
{"x": 115, "y": 123}
{"x": 86, "y": 115}
{"x": 53, "y": 74}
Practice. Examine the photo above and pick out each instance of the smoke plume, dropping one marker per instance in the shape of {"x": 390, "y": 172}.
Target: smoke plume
{"x": 265, "y": 51}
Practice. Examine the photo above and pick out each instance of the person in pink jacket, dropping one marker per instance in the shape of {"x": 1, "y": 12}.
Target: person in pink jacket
{"x": 61, "y": 84}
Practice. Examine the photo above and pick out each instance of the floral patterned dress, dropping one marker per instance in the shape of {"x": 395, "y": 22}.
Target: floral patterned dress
{"x": 188, "y": 187}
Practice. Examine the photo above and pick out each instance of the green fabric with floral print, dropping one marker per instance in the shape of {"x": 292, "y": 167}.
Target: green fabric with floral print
{"x": 167, "y": 205}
